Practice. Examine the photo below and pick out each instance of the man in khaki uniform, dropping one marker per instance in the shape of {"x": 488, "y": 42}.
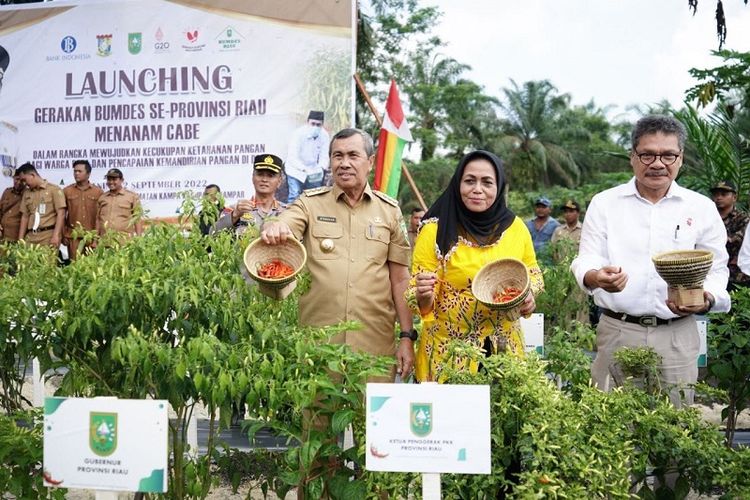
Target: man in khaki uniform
{"x": 82, "y": 199}
{"x": 117, "y": 208}
{"x": 10, "y": 210}
{"x": 358, "y": 253}
{"x": 572, "y": 227}
{"x": 42, "y": 209}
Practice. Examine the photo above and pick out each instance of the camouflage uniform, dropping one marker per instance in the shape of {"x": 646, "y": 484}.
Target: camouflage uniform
{"x": 736, "y": 222}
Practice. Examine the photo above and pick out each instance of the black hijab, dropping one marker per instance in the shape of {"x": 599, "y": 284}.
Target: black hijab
{"x": 453, "y": 216}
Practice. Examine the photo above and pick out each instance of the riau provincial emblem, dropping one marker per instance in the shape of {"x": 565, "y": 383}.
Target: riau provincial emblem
{"x": 135, "y": 41}
{"x": 420, "y": 418}
{"x": 103, "y": 433}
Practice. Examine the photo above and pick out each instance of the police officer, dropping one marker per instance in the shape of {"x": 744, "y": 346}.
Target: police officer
{"x": 267, "y": 170}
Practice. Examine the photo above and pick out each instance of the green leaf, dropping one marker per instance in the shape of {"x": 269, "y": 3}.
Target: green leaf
{"x": 341, "y": 420}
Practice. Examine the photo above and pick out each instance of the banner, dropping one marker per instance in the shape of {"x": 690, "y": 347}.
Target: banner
{"x": 176, "y": 94}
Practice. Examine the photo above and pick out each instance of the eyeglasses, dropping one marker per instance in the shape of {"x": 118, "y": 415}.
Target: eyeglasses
{"x": 666, "y": 158}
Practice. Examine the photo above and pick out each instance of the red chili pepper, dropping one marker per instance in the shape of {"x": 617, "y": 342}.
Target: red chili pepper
{"x": 275, "y": 269}
{"x": 49, "y": 479}
{"x": 505, "y": 295}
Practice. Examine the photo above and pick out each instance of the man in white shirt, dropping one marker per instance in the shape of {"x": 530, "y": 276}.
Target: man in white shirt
{"x": 623, "y": 228}
{"x": 307, "y": 158}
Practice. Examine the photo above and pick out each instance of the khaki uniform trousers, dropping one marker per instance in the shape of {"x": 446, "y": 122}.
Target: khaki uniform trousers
{"x": 677, "y": 343}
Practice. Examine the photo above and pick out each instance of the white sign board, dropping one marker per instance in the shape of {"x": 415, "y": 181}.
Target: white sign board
{"x": 437, "y": 428}
{"x": 106, "y": 444}
{"x": 533, "y": 333}
{"x": 703, "y": 352}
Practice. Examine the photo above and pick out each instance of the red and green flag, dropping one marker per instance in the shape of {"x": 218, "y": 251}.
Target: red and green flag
{"x": 394, "y": 135}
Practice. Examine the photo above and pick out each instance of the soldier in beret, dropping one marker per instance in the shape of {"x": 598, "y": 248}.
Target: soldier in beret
{"x": 724, "y": 194}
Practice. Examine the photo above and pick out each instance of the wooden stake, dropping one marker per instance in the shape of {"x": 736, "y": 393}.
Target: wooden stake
{"x": 404, "y": 169}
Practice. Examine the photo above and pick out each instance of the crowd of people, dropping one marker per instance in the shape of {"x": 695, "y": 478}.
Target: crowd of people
{"x": 366, "y": 266}
{"x": 40, "y": 213}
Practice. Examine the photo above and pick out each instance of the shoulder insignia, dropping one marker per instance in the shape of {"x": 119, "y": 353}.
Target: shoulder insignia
{"x": 317, "y": 191}
{"x": 386, "y": 198}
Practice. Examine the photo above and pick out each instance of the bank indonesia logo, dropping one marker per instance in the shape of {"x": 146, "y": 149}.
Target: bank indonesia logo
{"x": 68, "y": 44}
{"x": 103, "y": 45}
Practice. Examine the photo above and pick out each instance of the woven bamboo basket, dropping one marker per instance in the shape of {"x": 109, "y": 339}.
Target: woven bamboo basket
{"x": 497, "y": 276}
{"x": 684, "y": 271}
{"x": 291, "y": 252}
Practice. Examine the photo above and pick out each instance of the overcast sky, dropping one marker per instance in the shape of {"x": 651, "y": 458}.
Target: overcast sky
{"x": 618, "y": 52}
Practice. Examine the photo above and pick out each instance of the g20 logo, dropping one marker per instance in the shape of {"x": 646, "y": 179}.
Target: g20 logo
{"x": 161, "y": 45}
{"x": 68, "y": 44}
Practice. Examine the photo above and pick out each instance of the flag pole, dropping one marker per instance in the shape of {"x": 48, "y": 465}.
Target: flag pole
{"x": 404, "y": 169}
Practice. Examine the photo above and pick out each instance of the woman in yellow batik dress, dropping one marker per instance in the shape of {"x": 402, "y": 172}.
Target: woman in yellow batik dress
{"x": 467, "y": 227}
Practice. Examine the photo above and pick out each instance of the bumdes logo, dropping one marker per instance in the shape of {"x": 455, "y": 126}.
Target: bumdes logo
{"x": 68, "y": 44}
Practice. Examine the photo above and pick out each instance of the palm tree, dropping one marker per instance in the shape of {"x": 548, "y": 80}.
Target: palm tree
{"x": 531, "y": 143}
{"x": 427, "y": 79}
{"x": 717, "y": 149}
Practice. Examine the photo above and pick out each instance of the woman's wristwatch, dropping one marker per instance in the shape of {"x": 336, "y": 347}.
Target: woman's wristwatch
{"x": 408, "y": 335}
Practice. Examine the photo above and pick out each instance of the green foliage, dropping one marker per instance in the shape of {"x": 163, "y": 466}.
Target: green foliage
{"x": 21, "y": 457}
{"x": 599, "y": 445}
{"x": 640, "y": 365}
{"x": 567, "y": 358}
{"x": 729, "y": 358}
{"x": 562, "y": 302}
{"x": 717, "y": 149}
{"x": 723, "y": 81}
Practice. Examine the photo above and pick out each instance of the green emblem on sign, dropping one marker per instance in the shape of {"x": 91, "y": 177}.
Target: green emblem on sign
{"x": 103, "y": 433}
{"x": 134, "y": 43}
{"x": 420, "y": 418}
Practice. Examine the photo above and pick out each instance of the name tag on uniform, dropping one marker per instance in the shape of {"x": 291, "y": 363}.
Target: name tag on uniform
{"x": 324, "y": 218}
{"x": 42, "y": 208}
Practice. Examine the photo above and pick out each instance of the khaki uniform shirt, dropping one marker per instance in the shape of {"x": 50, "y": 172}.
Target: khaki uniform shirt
{"x": 563, "y": 231}
{"x": 115, "y": 211}
{"x": 82, "y": 207}
{"x": 44, "y": 200}
{"x": 10, "y": 214}
{"x": 348, "y": 250}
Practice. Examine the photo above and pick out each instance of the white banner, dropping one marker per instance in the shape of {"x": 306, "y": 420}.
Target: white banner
{"x": 176, "y": 94}
{"x": 428, "y": 428}
{"x": 106, "y": 444}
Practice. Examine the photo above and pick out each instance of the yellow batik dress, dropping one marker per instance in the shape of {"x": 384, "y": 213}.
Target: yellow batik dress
{"x": 456, "y": 313}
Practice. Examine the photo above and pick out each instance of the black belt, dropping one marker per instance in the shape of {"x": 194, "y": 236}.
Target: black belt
{"x": 640, "y": 320}
{"x": 40, "y": 229}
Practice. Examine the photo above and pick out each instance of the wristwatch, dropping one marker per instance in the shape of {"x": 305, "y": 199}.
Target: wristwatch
{"x": 408, "y": 335}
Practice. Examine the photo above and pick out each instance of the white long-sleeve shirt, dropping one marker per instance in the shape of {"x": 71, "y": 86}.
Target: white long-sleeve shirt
{"x": 624, "y": 229}
{"x": 307, "y": 154}
{"x": 743, "y": 258}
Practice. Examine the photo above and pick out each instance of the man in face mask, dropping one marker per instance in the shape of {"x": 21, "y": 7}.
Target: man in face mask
{"x": 307, "y": 158}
